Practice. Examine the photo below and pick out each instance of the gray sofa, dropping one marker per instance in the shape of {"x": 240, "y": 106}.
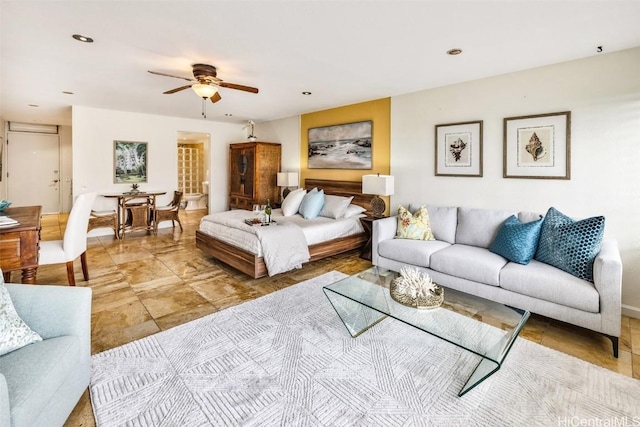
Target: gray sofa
{"x": 41, "y": 383}
{"x": 459, "y": 258}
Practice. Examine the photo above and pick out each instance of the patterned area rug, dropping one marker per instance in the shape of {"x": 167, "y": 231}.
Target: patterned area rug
{"x": 286, "y": 360}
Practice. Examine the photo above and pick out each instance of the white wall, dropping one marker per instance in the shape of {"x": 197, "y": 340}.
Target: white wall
{"x": 3, "y": 162}
{"x": 94, "y": 131}
{"x": 603, "y": 95}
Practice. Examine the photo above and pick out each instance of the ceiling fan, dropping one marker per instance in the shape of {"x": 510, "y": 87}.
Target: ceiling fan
{"x": 205, "y": 83}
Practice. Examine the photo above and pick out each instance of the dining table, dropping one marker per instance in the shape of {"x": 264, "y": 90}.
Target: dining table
{"x": 135, "y": 210}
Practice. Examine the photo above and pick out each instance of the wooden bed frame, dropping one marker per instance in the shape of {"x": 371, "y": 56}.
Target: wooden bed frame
{"x": 254, "y": 265}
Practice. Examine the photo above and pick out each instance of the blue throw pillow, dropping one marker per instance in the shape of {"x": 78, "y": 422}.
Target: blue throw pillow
{"x": 516, "y": 241}
{"x": 570, "y": 245}
{"x": 312, "y": 204}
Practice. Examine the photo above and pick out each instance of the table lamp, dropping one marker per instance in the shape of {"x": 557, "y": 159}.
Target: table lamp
{"x": 287, "y": 179}
{"x": 378, "y": 185}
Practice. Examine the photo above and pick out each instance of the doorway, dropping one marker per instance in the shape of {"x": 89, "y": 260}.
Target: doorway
{"x": 33, "y": 170}
{"x": 193, "y": 169}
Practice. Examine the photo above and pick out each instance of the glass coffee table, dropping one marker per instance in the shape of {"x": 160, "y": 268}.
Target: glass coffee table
{"x": 480, "y": 326}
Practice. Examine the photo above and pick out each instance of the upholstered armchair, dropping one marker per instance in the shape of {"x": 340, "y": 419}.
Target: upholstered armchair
{"x": 42, "y": 382}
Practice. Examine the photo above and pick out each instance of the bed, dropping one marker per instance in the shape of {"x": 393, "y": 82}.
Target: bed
{"x": 250, "y": 262}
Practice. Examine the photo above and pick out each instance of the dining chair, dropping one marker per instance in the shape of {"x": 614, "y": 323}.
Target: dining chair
{"x": 74, "y": 243}
{"x": 104, "y": 219}
{"x": 169, "y": 212}
{"x": 136, "y": 213}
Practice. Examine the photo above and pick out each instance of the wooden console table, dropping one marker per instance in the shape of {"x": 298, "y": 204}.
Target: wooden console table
{"x": 19, "y": 244}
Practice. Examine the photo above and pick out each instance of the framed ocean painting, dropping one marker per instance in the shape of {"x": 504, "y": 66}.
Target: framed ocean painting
{"x": 345, "y": 146}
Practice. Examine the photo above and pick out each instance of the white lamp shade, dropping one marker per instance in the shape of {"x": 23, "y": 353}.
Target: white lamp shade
{"x": 204, "y": 91}
{"x": 380, "y": 185}
{"x": 287, "y": 179}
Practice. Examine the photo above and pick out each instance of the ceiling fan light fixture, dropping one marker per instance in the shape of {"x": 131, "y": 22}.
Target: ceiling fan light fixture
{"x": 204, "y": 90}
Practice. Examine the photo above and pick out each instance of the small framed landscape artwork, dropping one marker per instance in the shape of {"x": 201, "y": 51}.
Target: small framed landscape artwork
{"x": 459, "y": 149}
{"x": 538, "y": 146}
{"x": 346, "y": 146}
{"x": 129, "y": 162}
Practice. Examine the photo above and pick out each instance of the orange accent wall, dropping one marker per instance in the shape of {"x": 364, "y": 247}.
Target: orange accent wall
{"x": 379, "y": 111}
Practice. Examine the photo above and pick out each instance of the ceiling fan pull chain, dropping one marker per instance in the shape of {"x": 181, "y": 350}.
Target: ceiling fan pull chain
{"x": 204, "y": 108}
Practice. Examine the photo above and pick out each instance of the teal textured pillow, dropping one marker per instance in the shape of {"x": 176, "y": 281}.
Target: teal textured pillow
{"x": 570, "y": 245}
{"x": 517, "y": 241}
{"x": 312, "y": 204}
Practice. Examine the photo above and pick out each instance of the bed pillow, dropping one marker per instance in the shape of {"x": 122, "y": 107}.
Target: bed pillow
{"x": 414, "y": 226}
{"x": 14, "y": 333}
{"x": 517, "y": 241}
{"x": 291, "y": 203}
{"x": 335, "y": 206}
{"x": 570, "y": 245}
{"x": 312, "y": 204}
{"x": 353, "y": 210}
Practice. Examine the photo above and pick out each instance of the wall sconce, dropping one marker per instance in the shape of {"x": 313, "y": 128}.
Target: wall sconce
{"x": 287, "y": 179}
{"x": 378, "y": 185}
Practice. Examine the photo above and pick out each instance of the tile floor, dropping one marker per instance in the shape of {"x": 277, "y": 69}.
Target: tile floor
{"x": 145, "y": 284}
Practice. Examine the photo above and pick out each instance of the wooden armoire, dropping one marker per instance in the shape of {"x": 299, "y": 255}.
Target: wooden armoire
{"x": 253, "y": 168}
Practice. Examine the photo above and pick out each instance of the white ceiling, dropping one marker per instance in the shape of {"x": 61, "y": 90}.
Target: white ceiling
{"x": 344, "y": 52}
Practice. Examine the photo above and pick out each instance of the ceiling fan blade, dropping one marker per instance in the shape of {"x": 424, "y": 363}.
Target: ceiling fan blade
{"x": 216, "y": 97}
{"x": 169, "y": 75}
{"x": 239, "y": 87}
{"x": 178, "y": 89}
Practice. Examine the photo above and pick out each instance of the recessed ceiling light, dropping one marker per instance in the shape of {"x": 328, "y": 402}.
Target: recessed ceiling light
{"x": 66, "y": 92}
{"x": 33, "y": 105}
{"x": 454, "y": 52}
{"x": 82, "y": 38}
{"x": 306, "y": 93}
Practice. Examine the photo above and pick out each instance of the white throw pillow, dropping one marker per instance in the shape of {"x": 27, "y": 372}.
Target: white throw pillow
{"x": 14, "y": 333}
{"x": 335, "y": 206}
{"x": 291, "y": 203}
{"x": 353, "y": 210}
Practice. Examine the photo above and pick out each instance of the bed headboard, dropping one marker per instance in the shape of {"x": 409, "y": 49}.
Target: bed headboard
{"x": 341, "y": 188}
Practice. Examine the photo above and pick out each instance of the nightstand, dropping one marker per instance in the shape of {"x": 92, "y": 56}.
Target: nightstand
{"x": 367, "y": 224}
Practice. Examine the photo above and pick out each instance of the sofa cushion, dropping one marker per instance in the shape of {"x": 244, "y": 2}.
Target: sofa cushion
{"x": 414, "y": 252}
{"x": 14, "y": 333}
{"x": 444, "y": 221}
{"x": 517, "y": 241}
{"x": 479, "y": 227}
{"x": 545, "y": 282}
{"x": 469, "y": 262}
{"x": 413, "y": 226}
{"x": 35, "y": 373}
{"x": 570, "y": 245}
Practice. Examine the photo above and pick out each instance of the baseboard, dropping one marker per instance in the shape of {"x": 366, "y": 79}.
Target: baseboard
{"x": 631, "y": 311}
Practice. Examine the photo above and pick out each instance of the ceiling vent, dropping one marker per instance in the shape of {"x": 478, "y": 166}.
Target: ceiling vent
{"x": 32, "y": 127}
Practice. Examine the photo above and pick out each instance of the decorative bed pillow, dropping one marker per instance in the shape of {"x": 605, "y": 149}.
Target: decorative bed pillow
{"x": 570, "y": 245}
{"x": 517, "y": 241}
{"x": 416, "y": 226}
{"x": 353, "y": 210}
{"x": 14, "y": 333}
{"x": 335, "y": 206}
{"x": 312, "y": 204}
{"x": 291, "y": 203}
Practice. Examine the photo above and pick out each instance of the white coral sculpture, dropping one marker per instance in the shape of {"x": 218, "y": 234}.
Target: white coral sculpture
{"x": 415, "y": 283}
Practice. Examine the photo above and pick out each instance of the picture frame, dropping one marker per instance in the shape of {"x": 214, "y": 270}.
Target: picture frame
{"x": 343, "y": 146}
{"x": 459, "y": 149}
{"x": 130, "y": 162}
{"x": 537, "y": 146}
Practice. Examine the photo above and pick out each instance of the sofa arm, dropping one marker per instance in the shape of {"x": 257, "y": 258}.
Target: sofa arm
{"x": 53, "y": 311}
{"x": 607, "y": 278}
{"x": 5, "y": 410}
{"x": 383, "y": 229}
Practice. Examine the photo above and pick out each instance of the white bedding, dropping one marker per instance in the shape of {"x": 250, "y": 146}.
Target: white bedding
{"x": 317, "y": 230}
